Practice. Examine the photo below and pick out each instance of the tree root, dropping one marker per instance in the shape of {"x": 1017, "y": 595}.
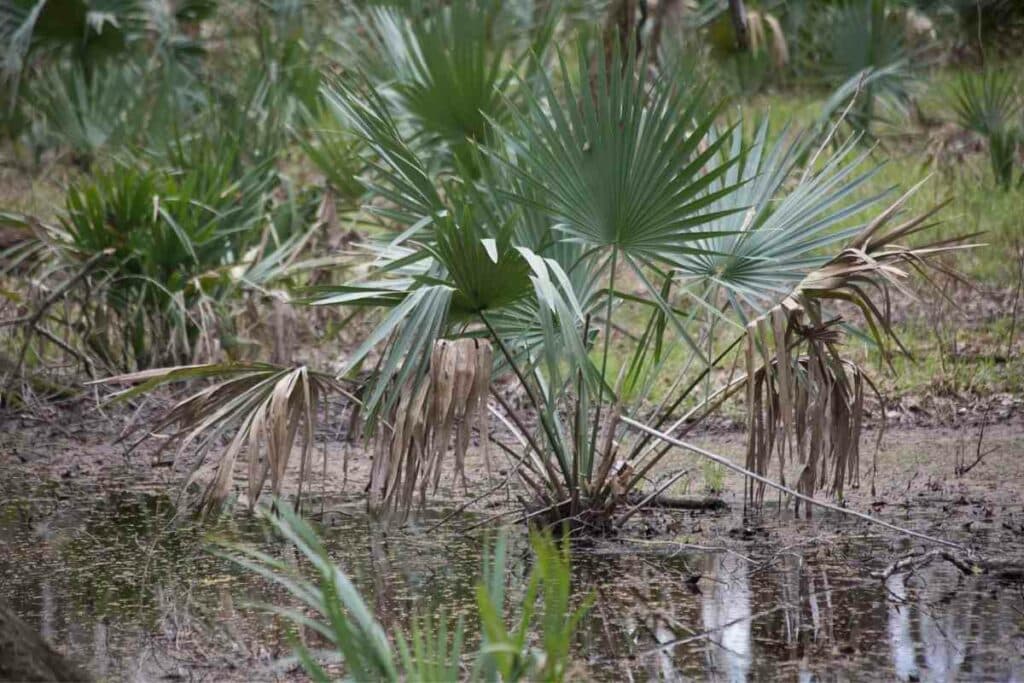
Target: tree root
{"x": 1003, "y": 569}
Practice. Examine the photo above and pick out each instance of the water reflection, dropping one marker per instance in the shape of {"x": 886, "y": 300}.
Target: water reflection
{"x": 725, "y": 613}
{"x": 134, "y": 597}
{"x": 901, "y": 641}
{"x": 942, "y": 629}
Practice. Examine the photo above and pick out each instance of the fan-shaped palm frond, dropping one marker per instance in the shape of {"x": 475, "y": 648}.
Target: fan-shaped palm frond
{"x": 448, "y": 67}
{"x": 793, "y": 215}
{"x": 618, "y": 164}
{"x": 87, "y": 29}
{"x": 454, "y": 260}
{"x": 856, "y": 47}
{"x": 989, "y": 104}
{"x": 87, "y": 114}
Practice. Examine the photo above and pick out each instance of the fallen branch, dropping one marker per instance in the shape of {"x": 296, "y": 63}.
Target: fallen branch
{"x": 1009, "y": 570}
{"x": 680, "y": 502}
{"x": 725, "y": 462}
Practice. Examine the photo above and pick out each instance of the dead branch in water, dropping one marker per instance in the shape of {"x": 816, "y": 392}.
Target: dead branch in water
{"x": 961, "y": 468}
{"x": 1009, "y": 570}
{"x": 725, "y": 462}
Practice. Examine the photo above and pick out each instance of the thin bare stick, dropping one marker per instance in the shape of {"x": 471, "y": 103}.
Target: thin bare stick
{"x": 462, "y": 508}
{"x": 917, "y": 559}
{"x": 978, "y": 453}
{"x": 725, "y": 462}
{"x": 835, "y": 127}
{"x": 1016, "y": 300}
{"x": 708, "y": 633}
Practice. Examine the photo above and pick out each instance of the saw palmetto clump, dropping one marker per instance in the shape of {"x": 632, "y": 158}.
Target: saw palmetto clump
{"x": 601, "y": 197}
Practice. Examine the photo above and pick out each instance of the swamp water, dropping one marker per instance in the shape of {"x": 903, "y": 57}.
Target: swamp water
{"x": 112, "y": 581}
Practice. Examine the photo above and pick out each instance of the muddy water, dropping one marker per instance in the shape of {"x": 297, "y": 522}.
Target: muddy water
{"x": 113, "y": 581}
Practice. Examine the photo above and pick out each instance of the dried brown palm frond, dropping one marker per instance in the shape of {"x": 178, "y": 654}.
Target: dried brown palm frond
{"x": 444, "y": 404}
{"x": 766, "y": 34}
{"x": 805, "y": 402}
{"x": 807, "y": 408}
{"x": 267, "y": 406}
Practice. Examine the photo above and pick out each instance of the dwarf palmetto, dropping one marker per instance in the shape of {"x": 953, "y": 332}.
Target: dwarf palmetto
{"x": 989, "y": 104}
{"x": 603, "y": 192}
{"x": 636, "y": 180}
{"x": 448, "y": 69}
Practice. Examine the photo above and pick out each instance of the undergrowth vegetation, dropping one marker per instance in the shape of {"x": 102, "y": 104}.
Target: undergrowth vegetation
{"x": 433, "y": 649}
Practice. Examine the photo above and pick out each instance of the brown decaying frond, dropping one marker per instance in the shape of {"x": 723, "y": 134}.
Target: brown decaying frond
{"x": 429, "y": 412}
{"x": 269, "y": 407}
{"x": 805, "y": 403}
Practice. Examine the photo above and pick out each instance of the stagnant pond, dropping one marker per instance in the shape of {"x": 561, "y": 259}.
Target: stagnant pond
{"x": 133, "y": 596}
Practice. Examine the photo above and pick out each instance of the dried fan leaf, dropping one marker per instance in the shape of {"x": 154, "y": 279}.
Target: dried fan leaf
{"x": 800, "y": 391}
{"x": 434, "y": 414}
{"x": 267, "y": 405}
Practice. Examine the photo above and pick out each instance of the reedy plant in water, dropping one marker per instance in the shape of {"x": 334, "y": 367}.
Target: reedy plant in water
{"x": 433, "y": 649}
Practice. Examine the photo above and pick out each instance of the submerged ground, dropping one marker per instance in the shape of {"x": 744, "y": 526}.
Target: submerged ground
{"x": 92, "y": 555}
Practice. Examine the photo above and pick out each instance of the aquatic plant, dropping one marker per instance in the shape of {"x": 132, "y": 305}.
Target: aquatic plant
{"x": 433, "y": 648}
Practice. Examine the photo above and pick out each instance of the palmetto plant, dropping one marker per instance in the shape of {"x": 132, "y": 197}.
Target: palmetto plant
{"x": 856, "y": 43}
{"x": 165, "y": 247}
{"x": 619, "y": 180}
{"x": 604, "y": 195}
{"x": 87, "y": 115}
{"x": 433, "y": 649}
{"x": 448, "y": 68}
{"x": 989, "y": 104}
{"x": 89, "y": 33}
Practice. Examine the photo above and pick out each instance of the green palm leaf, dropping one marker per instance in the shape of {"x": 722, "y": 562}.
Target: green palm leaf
{"x": 618, "y": 164}
{"x": 793, "y": 216}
